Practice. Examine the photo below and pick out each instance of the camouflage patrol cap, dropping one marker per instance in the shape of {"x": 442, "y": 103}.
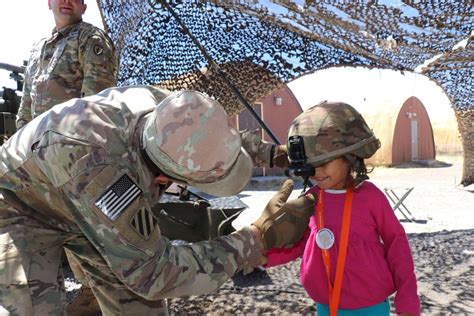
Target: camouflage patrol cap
{"x": 188, "y": 137}
{"x": 331, "y": 130}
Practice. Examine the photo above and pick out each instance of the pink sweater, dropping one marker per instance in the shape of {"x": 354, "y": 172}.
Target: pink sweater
{"x": 378, "y": 262}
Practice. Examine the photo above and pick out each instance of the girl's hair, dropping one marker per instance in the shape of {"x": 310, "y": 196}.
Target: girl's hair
{"x": 358, "y": 170}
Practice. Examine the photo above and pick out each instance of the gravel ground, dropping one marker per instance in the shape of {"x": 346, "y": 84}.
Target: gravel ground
{"x": 444, "y": 265}
{"x": 442, "y": 248}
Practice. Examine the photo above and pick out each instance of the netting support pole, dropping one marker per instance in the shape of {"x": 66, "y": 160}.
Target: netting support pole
{"x": 221, "y": 73}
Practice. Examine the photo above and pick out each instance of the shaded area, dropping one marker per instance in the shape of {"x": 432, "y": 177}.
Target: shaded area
{"x": 261, "y": 45}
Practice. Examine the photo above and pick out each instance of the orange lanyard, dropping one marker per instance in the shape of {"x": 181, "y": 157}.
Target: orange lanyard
{"x": 335, "y": 291}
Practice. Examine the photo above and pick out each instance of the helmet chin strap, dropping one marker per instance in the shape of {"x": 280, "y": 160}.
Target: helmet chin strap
{"x": 350, "y": 158}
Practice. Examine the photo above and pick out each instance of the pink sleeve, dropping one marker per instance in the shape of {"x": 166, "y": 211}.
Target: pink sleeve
{"x": 399, "y": 256}
{"x": 278, "y": 256}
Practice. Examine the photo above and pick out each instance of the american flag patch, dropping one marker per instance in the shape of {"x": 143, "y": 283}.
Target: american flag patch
{"x": 118, "y": 197}
{"x": 144, "y": 222}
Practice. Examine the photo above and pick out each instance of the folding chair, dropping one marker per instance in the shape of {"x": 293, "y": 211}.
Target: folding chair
{"x": 398, "y": 203}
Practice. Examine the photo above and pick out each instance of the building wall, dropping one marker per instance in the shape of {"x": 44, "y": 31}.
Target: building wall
{"x": 277, "y": 114}
{"x": 382, "y": 121}
{"x": 404, "y": 145}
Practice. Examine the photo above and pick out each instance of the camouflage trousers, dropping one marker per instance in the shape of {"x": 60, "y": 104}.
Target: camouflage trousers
{"x": 31, "y": 275}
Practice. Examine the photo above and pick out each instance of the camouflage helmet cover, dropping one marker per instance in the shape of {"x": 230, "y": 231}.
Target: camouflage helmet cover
{"x": 331, "y": 130}
{"x": 189, "y": 138}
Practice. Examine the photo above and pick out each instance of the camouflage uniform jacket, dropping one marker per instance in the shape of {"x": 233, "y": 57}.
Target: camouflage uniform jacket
{"x": 76, "y": 61}
{"x": 66, "y": 161}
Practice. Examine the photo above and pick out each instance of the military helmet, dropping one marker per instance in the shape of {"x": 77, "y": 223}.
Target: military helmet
{"x": 330, "y": 130}
{"x": 188, "y": 138}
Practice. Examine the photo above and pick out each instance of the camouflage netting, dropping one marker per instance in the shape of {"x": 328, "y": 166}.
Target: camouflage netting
{"x": 261, "y": 45}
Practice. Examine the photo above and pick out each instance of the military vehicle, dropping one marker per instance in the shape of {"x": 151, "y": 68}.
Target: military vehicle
{"x": 10, "y": 101}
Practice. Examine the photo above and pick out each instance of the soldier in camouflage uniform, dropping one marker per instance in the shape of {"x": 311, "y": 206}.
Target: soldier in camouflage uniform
{"x": 263, "y": 153}
{"x": 83, "y": 177}
{"x": 77, "y": 60}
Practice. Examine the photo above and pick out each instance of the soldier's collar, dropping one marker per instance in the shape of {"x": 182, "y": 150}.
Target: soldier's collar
{"x": 65, "y": 30}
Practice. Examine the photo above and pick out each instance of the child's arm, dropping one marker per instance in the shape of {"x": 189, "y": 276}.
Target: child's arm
{"x": 279, "y": 256}
{"x": 399, "y": 257}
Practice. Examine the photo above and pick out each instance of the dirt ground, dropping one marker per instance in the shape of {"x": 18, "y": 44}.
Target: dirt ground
{"x": 444, "y": 265}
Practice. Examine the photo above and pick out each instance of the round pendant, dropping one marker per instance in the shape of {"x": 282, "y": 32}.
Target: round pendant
{"x": 324, "y": 238}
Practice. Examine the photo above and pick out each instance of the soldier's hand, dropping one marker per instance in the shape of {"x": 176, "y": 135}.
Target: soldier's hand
{"x": 263, "y": 153}
{"x": 280, "y": 156}
{"x": 283, "y": 223}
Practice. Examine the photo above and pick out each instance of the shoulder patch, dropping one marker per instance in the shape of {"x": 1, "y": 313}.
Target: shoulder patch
{"x": 98, "y": 49}
{"x": 143, "y": 222}
{"x": 118, "y": 197}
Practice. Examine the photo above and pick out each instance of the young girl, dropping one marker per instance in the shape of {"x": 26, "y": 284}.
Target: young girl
{"x": 355, "y": 253}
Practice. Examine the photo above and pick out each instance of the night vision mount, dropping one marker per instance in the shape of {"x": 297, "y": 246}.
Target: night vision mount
{"x": 298, "y": 166}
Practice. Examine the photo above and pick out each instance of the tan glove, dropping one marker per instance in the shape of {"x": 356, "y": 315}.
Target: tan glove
{"x": 284, "y": 223}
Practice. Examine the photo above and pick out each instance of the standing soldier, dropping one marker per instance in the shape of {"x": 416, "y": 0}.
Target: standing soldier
{"x": 84, "y": 176}
{"x": 77, "y": 60}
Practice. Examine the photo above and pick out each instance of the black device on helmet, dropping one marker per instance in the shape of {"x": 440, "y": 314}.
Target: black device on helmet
{"x": 298, "y": 166}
